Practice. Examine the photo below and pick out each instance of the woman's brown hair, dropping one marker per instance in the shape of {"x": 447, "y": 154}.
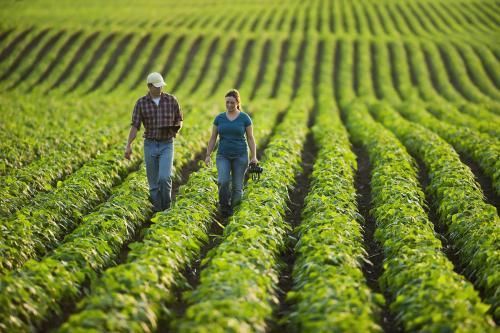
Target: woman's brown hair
{"x": 236, "y": 95}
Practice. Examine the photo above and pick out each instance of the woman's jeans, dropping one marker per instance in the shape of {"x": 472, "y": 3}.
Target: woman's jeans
{"x": 231, "y": 173}
{"x": 159, "y": 157}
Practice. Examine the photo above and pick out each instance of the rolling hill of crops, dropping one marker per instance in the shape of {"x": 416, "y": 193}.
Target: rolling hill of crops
{"x": 377, "y": 123}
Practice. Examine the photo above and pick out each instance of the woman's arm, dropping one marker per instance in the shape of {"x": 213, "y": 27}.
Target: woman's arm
{"x": 251, "y": 144}
{"x": 211, "y": 144}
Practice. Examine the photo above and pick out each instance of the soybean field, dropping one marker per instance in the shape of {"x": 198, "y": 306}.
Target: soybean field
{"x": 377, "y": 124}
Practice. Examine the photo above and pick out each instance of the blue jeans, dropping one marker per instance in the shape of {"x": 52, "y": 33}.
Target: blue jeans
{"x": 159, "y": 157}
{"x": 231, "y": 173}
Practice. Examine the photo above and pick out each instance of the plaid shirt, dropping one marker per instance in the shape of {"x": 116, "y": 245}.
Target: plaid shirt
{"x": 160, "y": 121}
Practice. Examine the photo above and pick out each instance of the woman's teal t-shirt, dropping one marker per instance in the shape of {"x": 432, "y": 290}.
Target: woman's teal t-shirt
{"x": 232, "y": 141}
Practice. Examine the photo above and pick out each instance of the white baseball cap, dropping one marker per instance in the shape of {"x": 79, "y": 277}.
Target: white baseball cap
{"x": 156, "y": 80}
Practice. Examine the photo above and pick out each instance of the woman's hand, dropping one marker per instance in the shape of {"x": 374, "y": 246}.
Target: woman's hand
{"x": 254, "y": 160}
{"x": 208, "y": 160}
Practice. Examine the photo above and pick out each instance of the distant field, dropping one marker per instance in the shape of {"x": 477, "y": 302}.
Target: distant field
{"x": 377, "y": 125}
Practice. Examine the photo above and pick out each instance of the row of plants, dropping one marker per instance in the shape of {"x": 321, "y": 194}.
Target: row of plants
{"x": 36, "y": 228}
{"x": 132, "y": 296}
{"x": 263, "y": 88}
{"x": 460, "y": 76}
{"x": 431, "y": 72}
{"x": 89, "y": 69}
{"x": 247, "y": 76}
{"x": 476, "y": 70}
{"x": 400, "y": 65}
{"x": 489, "y": 61}
{"x": 384, "y": 75}
{"x": 344, "y": 82}
{"x": 27, "y": 50}
{"x": 400, "y": 19}
{"x": 175, "y": 47}
{"x": 219, "y": 86}
{"x": 96, "y": 45}
{"x": 109, "y": 56}
{"x": 364, "y": 81}
{"x": 239, "y": 277}
{"x": 29, "y": 134}
{"x": 434, "y": 93}
{"x": 238, "y": 281}
{"x": 479, "y": 147}
{"x": 428, "y": 19}
{"x": 451, "y": 114}
{"x": 27, "y": 62}
{"x": 133, "y": 66}
{"x": 42, "y": 174}
{"x": 70, "y": 70}
{"x": 432, "y": 80}
{"x": 194, "y": 66}
{"x": 94, "y": 245}
{"x": 35, "y": 292}
{"x": 39, "y": 226}
{"x": 116, "y": 39}
{"x": 418, "y": 277}
{"x": 329, "y": 290}
{"x": 472, "y": 225}
{"x": 143, "y": 60}
{"x": 478, "y": 111}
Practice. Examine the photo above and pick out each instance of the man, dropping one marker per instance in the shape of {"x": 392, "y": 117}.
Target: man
{"x": 162, "y": 118}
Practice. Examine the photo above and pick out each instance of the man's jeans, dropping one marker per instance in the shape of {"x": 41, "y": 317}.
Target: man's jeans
{"x": 231, "y": 173}
{"x": 159, "y": 157}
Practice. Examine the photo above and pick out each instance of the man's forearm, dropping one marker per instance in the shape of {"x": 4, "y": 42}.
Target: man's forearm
{"x": 131, "y": 136}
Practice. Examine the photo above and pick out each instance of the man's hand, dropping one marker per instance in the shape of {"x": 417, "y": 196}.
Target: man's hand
{"x": 128, "y": 152}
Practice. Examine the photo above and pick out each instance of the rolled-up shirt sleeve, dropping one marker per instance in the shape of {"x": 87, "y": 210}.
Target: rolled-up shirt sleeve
{"x": 136, "y": 117}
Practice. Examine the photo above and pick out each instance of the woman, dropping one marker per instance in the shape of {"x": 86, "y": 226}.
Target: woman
{"x": 232, "y": 154}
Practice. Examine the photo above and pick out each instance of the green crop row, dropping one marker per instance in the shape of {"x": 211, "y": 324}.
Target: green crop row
{"x": 330, "y": 291}
{"x": 39, "y": 226}
{"x": 460, "y": 76}
{"x": 154, "y": 268}
{"x": 128, "y": 297}
{"x": 29, "y": 134}
{"x": 481, "y": 148}
{"x": 237, "y": 285}
{"x": 410, "y": 18}
{"x": 90, "y": 72}
{"x": 479, "y": 112}
{"x": 77, "y": 255}
{"x": 26, "y": 51}
{"x": 475, "y": 69}
{"x": 30, "y": 295}
{"x": 382, "y": 73}
{"x": 43, "y": 173}
{"x": 489, "y": 61}
{"x": 426, "y": 294}
{"x": 258, "y": 225}
{"x": 451, "y": 114}
{"x": 344, "y": 83}
{"x": 472, "y": 225}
